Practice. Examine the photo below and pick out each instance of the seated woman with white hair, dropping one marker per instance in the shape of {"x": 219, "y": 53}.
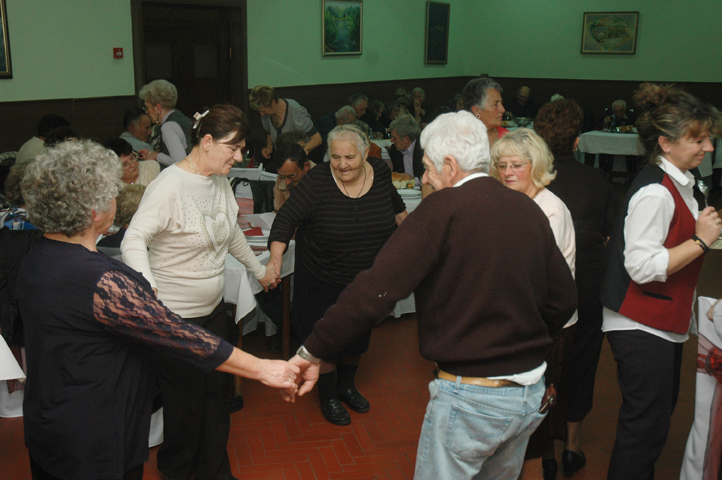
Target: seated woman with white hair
{"x": 523, "y": 162}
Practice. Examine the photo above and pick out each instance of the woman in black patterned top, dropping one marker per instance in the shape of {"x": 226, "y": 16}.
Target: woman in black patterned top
{"x": 93, "y": 326}
{"x": 344, "y": 211}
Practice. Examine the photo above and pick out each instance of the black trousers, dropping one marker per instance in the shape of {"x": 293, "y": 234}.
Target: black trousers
{"x": 38, "y": 473}
{"x": 648, "y": 370}
{"x": 583, "y": 357}
{"x": 196, "y": 419}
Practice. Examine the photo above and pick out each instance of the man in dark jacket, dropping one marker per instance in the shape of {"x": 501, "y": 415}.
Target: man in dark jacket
{"x": 406, "y": 152}
{"x": 490, "y": 287}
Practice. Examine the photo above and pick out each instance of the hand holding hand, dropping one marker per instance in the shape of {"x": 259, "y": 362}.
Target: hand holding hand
{"x": 309, "y": 372}
{"x": 145, "y": 154}
{"x": 708, "y": 226}
{"x": 270, "y": 280}
{"x": 266, "y": 152}
{"x": 279, "y": 374}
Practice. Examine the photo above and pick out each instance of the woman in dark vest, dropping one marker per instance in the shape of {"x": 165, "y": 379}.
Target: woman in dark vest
{"x": 159, "y": 98}
{"x": 654, "y": 257}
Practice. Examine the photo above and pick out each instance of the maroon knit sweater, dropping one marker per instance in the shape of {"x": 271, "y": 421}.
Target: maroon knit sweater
{"x": 489, "y": 281}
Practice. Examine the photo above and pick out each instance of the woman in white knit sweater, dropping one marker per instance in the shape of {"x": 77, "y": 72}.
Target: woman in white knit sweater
{"x": 178, "y": 239}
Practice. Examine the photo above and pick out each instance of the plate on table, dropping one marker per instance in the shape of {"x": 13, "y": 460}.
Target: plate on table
{"x": 409, "y": 193}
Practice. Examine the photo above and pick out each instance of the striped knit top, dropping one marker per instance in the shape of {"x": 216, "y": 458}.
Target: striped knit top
{"x": 338, "y": 236}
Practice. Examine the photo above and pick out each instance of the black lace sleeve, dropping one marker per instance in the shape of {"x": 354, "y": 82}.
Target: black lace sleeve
{"x": 132, "y": 310}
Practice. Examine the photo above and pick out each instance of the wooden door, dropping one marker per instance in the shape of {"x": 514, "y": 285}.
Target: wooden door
{"x": 190, "y": 47}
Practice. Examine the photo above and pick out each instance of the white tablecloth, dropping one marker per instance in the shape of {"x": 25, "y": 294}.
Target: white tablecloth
{"x": 241, "y": 286}
{"x": 610, "y": 143}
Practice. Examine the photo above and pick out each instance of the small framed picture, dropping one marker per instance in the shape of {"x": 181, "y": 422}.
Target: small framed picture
{"x": 610, "y": 32}
{"x": 6, "y": 69}
{"x": 342, "y": 27}
{"x": 437, "y": 33}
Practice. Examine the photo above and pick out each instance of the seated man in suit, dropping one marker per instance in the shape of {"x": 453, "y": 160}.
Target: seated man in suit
{"x": 136, "y": 124}
{"x": 619, "y": 116}
{"x": 523, "y": 105}
{"x": 291, "y": 164}
{"x": 328, "y": 122}
{"x": 406, "y": 153}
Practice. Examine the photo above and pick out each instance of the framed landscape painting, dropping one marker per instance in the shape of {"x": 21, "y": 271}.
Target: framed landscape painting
{"x": 437, "y": 33}
{"x": 342, "y": 27}
{"x": 6, "y": 70}
{"x": 610, "y": 32}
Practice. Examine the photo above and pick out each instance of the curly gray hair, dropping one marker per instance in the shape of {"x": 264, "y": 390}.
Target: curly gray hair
{"x": 159, "y": 92}
{"x": 65, "y": 185}
{"x": 352, "y": 134}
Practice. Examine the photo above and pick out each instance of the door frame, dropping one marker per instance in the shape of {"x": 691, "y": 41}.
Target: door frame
{"x": 238, "y": 44}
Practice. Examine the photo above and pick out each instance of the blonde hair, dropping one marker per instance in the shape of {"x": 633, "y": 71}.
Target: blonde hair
{"x": 527, "y": 145}
{"x": 126, "y": 203}
{"x": 262, "y": 96}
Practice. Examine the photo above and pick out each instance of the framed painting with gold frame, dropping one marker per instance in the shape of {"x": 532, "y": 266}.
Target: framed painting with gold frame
{"x": 610, "y": 32}
{"x": 342, "y": 22}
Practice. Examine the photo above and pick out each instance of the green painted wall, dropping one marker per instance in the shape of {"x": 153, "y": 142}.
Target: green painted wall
{"x": 64, "y": 49}
{"x": 284, "y": 43}
{"x": 677, "y": 41}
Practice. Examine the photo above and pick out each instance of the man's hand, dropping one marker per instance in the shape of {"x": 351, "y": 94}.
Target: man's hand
{"x": 306, "y": 379}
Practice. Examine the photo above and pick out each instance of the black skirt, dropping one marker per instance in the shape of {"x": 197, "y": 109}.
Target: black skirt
{"x": 312, "y": 296}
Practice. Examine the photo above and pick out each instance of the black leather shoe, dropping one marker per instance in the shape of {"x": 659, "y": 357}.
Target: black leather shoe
{"x": 355, "y": 401}
{"x": 334, "y": 412}
{"x": 573, "y": 462}
{"x": 549, "y": 466}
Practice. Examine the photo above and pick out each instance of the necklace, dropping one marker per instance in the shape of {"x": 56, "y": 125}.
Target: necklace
{"x": 191, "y": 164}
{"x": 355, "y": 211}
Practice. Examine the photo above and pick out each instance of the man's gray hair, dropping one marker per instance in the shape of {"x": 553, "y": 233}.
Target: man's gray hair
{"x": 420, "y": 90}
{"x": 406, "y": 126}
{"x": 345, "y": 113}
{"x": 352, "y": 134}
{"x": 460, "y": 135}
{"x": 65, "y": 185}
{"x": 620, "y": 103}
{"x": 475, "y": 92}
{"x": 357, "y": 98}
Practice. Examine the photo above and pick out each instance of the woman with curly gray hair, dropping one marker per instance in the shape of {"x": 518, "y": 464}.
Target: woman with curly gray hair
{"x": 93, "y": 327}
{"x": 342, "y": 212}
{"x": 159, "y": 98}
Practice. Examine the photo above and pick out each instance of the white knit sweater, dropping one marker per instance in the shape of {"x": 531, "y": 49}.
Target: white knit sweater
{"x": 179, "y": 237}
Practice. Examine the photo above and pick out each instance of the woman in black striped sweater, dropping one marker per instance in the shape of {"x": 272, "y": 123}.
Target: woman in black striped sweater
{"x": 344, "y": 211}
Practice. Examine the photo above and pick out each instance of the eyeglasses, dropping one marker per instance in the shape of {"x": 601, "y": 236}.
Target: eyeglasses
{"x": 288, "y": 177}
{"x": 133, "y": 159}
{"x": 515, "y": 167}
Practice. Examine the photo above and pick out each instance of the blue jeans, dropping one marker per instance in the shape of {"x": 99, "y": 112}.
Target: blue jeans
{"x": 472, "y": 432}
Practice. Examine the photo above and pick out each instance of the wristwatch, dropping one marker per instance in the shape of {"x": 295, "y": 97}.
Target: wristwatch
{"x": 306, "y": 355}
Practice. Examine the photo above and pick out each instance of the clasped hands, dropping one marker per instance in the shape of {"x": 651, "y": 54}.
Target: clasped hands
{"x": 305, "y": 380}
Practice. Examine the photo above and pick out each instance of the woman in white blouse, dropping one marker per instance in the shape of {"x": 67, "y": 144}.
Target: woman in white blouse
{"x": 178, "y": 239}
{"x": 522, "y": 161}
{"x": 654, "y": 257}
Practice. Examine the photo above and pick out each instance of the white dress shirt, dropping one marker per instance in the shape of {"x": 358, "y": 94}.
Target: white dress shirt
{"x": 646, "y": 227}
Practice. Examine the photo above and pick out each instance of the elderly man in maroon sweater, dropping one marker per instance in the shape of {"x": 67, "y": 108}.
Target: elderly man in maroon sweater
{"x": 490, "y": 287}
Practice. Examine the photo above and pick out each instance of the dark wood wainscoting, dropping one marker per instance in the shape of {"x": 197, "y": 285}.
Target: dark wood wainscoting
{"x": 97, "y": 118}
{"x": 101, "y": 118}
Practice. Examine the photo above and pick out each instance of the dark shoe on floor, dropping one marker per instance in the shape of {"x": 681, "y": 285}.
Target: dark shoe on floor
{"x": 573, "y": 462}
{"x": 550, "y": 468}
{"x": 334, "y": 412}
{"x": 355, "y": 401}
{"x": 234, "y": 403}
{"x": 273, "y": 343}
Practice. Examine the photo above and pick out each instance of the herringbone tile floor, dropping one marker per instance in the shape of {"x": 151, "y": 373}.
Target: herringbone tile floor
{"x": 277, "y": 441}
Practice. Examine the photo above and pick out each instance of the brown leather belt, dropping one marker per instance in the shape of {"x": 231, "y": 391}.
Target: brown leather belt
{"x": 478, "y": 381}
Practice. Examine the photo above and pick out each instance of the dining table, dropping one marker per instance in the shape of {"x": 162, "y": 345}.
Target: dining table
{"x": 11, "y": 403}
